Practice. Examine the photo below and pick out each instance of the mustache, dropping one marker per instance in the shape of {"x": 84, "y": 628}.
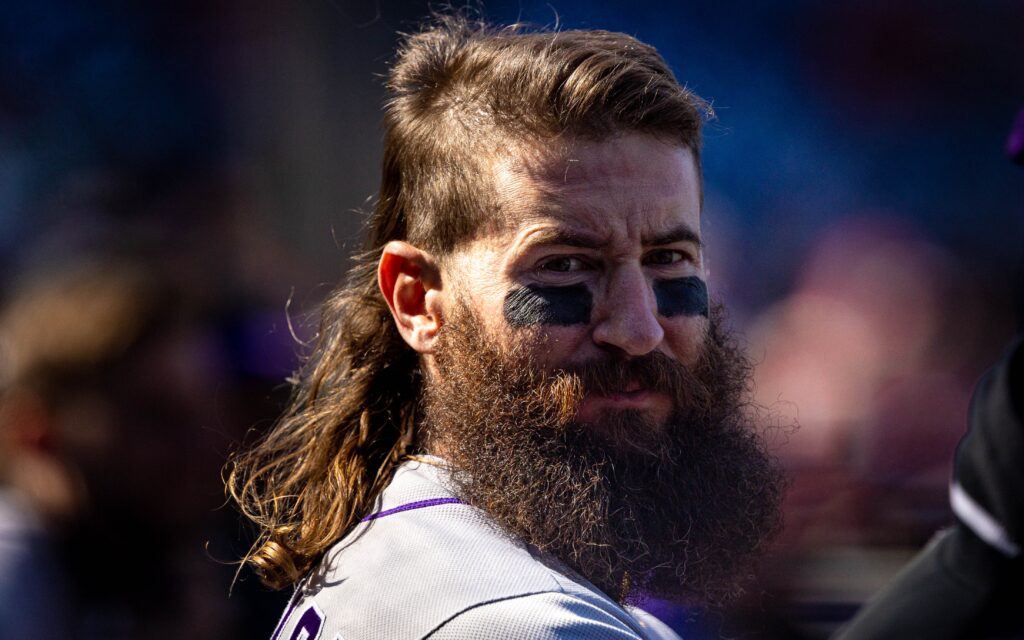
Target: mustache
{"x": 655, "y": 372}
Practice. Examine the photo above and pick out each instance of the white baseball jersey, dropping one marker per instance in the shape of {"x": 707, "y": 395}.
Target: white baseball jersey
{"x": 425, "y": 565}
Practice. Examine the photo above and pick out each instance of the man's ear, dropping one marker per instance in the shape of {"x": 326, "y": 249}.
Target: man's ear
{"x": 410, "y": 280}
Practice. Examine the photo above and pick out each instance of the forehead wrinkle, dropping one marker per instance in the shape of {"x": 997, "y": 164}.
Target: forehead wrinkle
{"x": 599, "y": 225}
{"x": 563, "y": 184}
{"x": 575, "y": 176}
{"x": 526, "y": 189}
{"x": 603, "y": 212}
{"x": 566, "y": 165}
{"x": 576, "y": 201}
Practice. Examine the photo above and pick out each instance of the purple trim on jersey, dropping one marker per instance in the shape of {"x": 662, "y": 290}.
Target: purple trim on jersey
{"x": 287, "y": 614}
{"x": 433, "y": 502}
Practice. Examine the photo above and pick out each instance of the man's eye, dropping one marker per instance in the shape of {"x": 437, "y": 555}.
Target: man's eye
{"x": 563, "y": 264}
{"x": 665, "y": 256}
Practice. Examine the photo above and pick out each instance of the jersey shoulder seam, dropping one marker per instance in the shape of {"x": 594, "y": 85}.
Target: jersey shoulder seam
{"x": 484, "y": 603}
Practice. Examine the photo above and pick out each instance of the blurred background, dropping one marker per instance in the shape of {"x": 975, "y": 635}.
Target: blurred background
{"x": 178, "y": 180}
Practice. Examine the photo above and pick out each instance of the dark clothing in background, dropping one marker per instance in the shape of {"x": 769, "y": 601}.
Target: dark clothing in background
{"x": 968, "y": 581}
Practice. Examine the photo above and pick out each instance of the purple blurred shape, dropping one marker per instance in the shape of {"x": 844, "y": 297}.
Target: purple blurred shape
{"x": 1015, "y": 143}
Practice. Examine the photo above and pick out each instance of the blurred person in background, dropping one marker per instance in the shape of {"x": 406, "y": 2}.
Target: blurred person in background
{"x": 105, "y": 377}
{"x": 873, "y": 349}
{"x": 854, "y": 350}
{"x": 968, "y": 581}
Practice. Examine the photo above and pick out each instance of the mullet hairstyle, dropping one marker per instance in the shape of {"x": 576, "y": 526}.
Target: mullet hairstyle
{"x": 459, "y": 92}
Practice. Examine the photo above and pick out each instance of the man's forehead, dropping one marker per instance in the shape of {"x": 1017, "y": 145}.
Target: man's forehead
{"x": 635, "y": 180}
{"x": 566, "y": 163}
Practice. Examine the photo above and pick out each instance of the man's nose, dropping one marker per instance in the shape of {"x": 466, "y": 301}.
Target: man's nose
{"x": 627, "y": 315}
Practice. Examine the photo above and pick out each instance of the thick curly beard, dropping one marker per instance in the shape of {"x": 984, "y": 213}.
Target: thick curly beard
{"x": 678, "y": 511}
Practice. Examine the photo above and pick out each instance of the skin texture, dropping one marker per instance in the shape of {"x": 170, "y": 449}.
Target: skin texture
{"x": 620, "y": 218}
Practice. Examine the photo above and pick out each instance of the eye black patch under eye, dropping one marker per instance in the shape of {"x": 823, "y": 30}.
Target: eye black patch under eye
{"x": 562, "y": 306}
{"x": 682, "y": 297}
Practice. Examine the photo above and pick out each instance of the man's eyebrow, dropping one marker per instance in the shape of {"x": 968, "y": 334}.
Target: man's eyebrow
{"x": 568, "y": 238}
{"x": 575, "y": 238}
{"x": 682, "y": 233}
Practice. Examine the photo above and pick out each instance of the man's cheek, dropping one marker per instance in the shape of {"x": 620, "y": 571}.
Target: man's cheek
{"x": 539, "y": 305}
{"x": 681, "y": 297}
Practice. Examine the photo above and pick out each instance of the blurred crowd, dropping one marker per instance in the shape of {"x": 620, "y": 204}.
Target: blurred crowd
{"x": 180, "y": 185}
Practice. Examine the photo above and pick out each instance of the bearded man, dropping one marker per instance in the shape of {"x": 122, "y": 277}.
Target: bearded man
{"x": 522, "y": 415}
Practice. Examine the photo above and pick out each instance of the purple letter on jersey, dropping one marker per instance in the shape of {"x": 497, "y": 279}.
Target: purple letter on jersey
{"x": 310, "y": 621}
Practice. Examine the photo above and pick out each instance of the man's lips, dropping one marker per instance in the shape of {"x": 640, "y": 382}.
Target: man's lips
{"x": 632, "y": 387}
{"x": 634, "y": 396}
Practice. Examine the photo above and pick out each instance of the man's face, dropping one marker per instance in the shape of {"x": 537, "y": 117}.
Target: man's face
{"x": 593, "y": 403}
{"x": 600, "y": 259}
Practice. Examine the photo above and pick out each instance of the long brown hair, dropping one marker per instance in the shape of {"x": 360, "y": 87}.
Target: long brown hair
{"x": 458, "y": 90}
